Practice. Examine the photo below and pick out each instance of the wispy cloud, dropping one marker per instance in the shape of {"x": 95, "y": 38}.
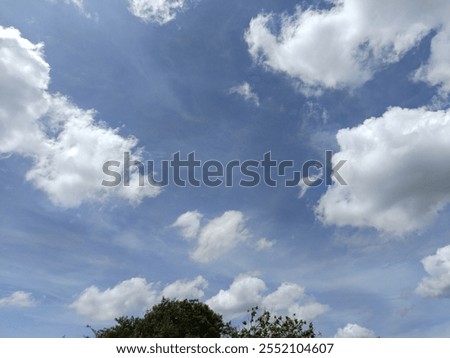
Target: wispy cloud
{"x": 18, "y": 299}
{"x": 245, "y": 90}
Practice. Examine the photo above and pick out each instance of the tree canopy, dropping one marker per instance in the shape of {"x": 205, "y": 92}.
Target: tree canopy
{"x": 193, "y": 319}
{"x": 169, "y": 319}
{"x": 265, "y": 326}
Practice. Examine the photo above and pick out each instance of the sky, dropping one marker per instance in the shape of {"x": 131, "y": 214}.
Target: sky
{"x": 317, "y": 134}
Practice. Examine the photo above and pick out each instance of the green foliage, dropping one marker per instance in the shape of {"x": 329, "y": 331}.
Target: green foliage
{"x": 266, "y": 326}
{"x": 193, "y": 319}
{"x": 169, "y": 319}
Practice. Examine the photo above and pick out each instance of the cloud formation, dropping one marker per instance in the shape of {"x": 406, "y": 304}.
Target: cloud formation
{"x": 156, "y": 11}
{"x": 437, "y": 283}
{"x": 217, "y": 237}
{"x": 245, "y": 90}
{"x": 186, "y": 289}
{"x": 247, "y": 290}
{"x": 396, "y": 170}
{"x": 132, "y": 296}
{"x": 67, "y": 145}
{"x": 353, "y": 330}
{"x": 19, "y": 299}
{"x": 346, "y": 44}
{"x": 189, "y": 224}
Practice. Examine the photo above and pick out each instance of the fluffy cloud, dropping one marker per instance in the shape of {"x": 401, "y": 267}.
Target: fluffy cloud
{"x": 17, "y": 299}
{"x": 246, "y": 91}
{"x": 217, "y": 237}
{"x": 396, "y": 171}
{"x": 246, "y": 292}
{"x": 343, "y": 46}
{"x": 353, "y": 330}
{"x": 157, "y": 11}
{"x": 243, "y": 294}
{"x": 437, "y": 284}
{"x": 67, "y": 145}
{"x": 186, "y": 289}
{"x": 133, "y": 296}
{"x": 189, "y": 224}
{"x": 127, "y": 297}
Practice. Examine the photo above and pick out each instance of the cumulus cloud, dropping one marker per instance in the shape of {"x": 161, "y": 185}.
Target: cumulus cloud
{"x": 156, "y": 11}
{"x": 353, "y": 330}
{"x": 344, "y": 46}
{"x": 246, "y": 92}
{"x": 17, "y": 299}
{"x": 243, "y": 294}
{"x": 66, "y": 144}
{"x": 189, "y": 224}
{"x": 186, "y": 289}
{"x": 129, "y": 296}
{"x": 217, "y": 237}
{"x": 437, "y": 284}
{"x": 396, "y": 171}
{"x": 247, "y": 290}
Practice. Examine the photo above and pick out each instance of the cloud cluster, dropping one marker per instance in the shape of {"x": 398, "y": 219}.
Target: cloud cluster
{"x": 17, "y": 299}
{"x": 344, "y": 45}
{"x": 135, "y": 295}
{"x": 217, "y": 237}
{"x": 352, "y": 330}
{"x": 397, "y": 172}
{"x": 437, "y": 284}
{"x": 245, "y": 90}
{"x": 66, "y": 144}
{"x": 156, "y": 11}
{"x": 132, "y": 296}
{"x": 247, "y": 291}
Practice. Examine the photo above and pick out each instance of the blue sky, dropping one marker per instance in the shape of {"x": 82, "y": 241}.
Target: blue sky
{"x": 82, "y": 82}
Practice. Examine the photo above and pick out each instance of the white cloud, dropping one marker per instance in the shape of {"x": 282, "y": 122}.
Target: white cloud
{"x": 17, "y": 299}
{"x": 353, "y": 330}
{"x": 246, "y": 91}
{"x": 79, "y": 4}
{"x": 264, "y": 244}
{"x": 129, "y": 296}
{"x": 189, "y": 224}
{"x": 182, "y": 289}
{"x": 243, "y": 294}
{"x": 67, "y": 145}
{"x": 216, "y": 238}
{"x": 436, "y": 71}
{"x": 219, "y": 236}
{"x": 345, "y": 45}
{"x": 396, "y": 171}
{"x": 247, "y": 290}
{"x": 136, "y": 295}
{"x": 284, "y": 297}
{"x": 437, "y": 284}
{"x": 157, "y": 11}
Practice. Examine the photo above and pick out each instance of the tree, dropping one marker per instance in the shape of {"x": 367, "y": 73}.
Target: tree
{"x": 169, "y": 319}
{"x": 264, "y": 326}
{"x": 193, "y": 319}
